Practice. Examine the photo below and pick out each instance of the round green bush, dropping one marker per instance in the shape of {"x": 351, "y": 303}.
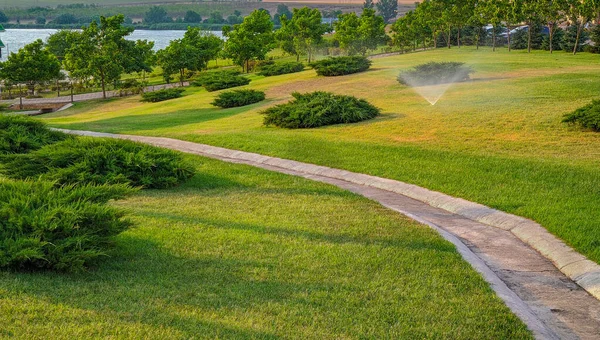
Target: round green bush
{"x": 220, "y": 80}
{"x": 339, "y": 66}
{"x": 83, "y": 161}
{"x": 435, "y": 73}
{"x": 237, "y": 98}
{"x": 20, "y": 134}
{"x": 319, "y": 109}
{"x": 280, "y": 68}
{"x": 587, "y": 117}
{"x": 162, "y": 95}
{"x": 67, "y": 228}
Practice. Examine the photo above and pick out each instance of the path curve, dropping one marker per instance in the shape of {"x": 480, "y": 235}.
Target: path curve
{"x": 539, "y": 278}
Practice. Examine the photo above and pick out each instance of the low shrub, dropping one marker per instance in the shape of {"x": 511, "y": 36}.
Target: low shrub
{"x": 339, "y": 66}
{"x": 20, "y": 134}
{"x": 162, "y": 95}
{"x": 67, "y": 228}
{"x": 82, "y": 161}
{"x": 587, "y": 116}
{"x": 435, "y": 73}
{"x": 319, "y": 109}
{"x": 220, "y": 80}
{"x": 281, "y": 68}
{"x": 237, "y": 98}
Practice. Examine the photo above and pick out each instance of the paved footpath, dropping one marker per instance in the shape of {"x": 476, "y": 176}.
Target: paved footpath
{"x": 552, "y": 304}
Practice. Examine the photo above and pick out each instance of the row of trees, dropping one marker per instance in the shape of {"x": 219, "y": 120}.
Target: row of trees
{"x": 447, "y": 19}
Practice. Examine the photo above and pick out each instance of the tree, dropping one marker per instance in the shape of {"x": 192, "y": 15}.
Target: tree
{"x": 141, "y": 57}
{"x": 60, "y": 42}
{"x": 156, "y": 15}
{"x": 101, "y": 52}
{"x": 282, "y": 11}
{"x": 40, "y": 21}
{"x": 388, "y": 9}
{"x": 3, "y": 17}
{"x": 302, "y": 32}
{"x": 250, "y": 40}
{"x": 491, "y": 11}
{"x": 580, "y": 13}
{"x": 65, "y": 19}
{"x": 357, "y": 35}
{"x": 215, "y": 17}
{"x": 368, "y": 4}
{"x": 552, "y": 12}
{"x": 32, "y": 64}
{"x": 192, "y": 17}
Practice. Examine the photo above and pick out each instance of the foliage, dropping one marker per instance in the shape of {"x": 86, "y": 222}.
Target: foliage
{"x": 339, "y": 66}
{"x": 20, "y": 134}
{"x": 162, "y": 95}
{"x": 281, "y": 68}
{"x": 571, "y": 40}
{"x": 3, "y": 17}
{"x": 156, "y": 15}
{"x": 587, "y": 116}
{"x": 43, "y": 227}
{"x": 82, "y": 161}
{"x": 357, "y": 35}
{"x": 219, "y": 80}
{"x": 141, "y": 57}
{"x": 300, "y": 34}
{"x": 434, "y": 73}
{"x": 250, "y": 40}
{"x": 282, "y": 11}
{"x": 388, "y": 9}
{"x": 192, "y": 17}
{"x": 316, "y": 109}
{"x": 65, "y": 19}
{"x": 237, "y": 98}
{"x": 60, "y": 42}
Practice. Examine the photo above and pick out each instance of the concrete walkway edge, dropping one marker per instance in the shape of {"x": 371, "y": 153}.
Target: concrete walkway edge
{"x": 575, "y": 266}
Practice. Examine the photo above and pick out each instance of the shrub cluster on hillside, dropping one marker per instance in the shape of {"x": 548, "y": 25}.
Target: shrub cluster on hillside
{"x": 100, "y": 161}
{"x": 44, "y": 227}
{"x": 214, "y": 81}
{"x": 237, "y": 98}
{"x": 319, "y": 109}
{"x": 435, "y": 73}
{"x": 20, "y": 135}
{"x": 340, "y": 66}
{"x": 587, "y": 116}
{"x": 162, "y": 95}
{"x": 281, "y": 68}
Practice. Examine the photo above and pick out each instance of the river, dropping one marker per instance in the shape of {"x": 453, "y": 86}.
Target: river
{"x": 14, "y": 39}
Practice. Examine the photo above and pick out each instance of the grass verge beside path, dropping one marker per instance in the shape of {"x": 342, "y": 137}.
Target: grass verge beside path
{"x": 239, "y": 252}
{"x": 498, "y": 140}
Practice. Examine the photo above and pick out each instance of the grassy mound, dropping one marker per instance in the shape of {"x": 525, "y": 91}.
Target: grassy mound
{"x": 587, "y": 117}
{"x": 100, "y": 161}
{"x": 319, "y": 109}
{"x": 43, "y": 227}
{"x": 237, "y": 98}
{"x": 162, "y": 95}
{"x": 280, "y": 68}
{"x": 220, "y": 80}
{"x": 340, "y": 66}
{"x": 435, "y": 73}
{"x": 20, "y": 134}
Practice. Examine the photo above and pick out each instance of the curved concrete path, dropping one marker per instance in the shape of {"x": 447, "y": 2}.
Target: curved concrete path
{"x": 498, "y": 245}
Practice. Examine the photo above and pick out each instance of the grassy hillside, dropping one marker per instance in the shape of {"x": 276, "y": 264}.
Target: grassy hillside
{"x": 497, "y": 140}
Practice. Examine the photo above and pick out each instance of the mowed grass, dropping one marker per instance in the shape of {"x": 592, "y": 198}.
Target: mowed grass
{"x": 497, "y": 140}
{"x": 239, "y": 252}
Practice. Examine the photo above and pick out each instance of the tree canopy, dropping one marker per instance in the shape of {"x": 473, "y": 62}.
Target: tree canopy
{"x": 31, "y": 64}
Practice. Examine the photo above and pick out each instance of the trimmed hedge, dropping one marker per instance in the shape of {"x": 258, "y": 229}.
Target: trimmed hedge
{"x": 319, "y": 109}
{"x": 220, "y": 80}
{"x": 339, "y": 66}
{"x": 237, "y": 98}
{"x": 587, "y": 117}
{"x": 44, "y": 227}
{"x": 435, "y": 73}
{"x": 20, "y": 134}
{"x": 162, "y": 95}
{"x": 280, "y": 68}
{"x": 82, "y": 161}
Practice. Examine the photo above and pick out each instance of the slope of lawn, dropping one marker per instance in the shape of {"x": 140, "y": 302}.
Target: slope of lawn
{"x": 239, "y": 252}
{"x": 497, "y": 140}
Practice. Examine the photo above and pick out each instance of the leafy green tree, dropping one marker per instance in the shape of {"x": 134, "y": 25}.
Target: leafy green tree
{"x": 60, "y": 42}
{"x": 300, "y": 34}
{"x": 141, "y": 57}
{"x": 40, "y": 21}
{"x": 369, "y": 4}
{"x": 215, "y": 17}
{"x": 3, "y": 17}
{"x": 32, "y": 64}
{"x": 101, "y": 52}
{"x": 357, "y": 35}
{"x": 65, "y": 19}
{"x": 552, "y": 13}
{"x": 282, "y": 11}
{"x": 580, "y": 13}
{"x": 250, "y": 40}
{"x": 388, "y": 9}
{"x": 491, "y": 11}
{"x": 192, "y": 17}
{"x": 156, "y": 15}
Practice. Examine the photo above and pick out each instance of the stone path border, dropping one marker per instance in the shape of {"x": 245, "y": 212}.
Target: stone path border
{"x": 497, "y": 244}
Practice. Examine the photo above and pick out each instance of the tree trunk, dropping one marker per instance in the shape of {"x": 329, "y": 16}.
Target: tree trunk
{"x": 434, "y": 41}
{"x": 103, "y": 85}
{"x": 247, "y": 66}
{"x": 509, "y": 47}
{"x": 20, "y": 98}
{"x": 181, "y": 75}
{"x": 551, "y": 29}
{"x": 529, "y": 38}
{"x": 458, "y": 37}
{"x": 494, "y": 38}
{"x": 449, "y": 36}
{"x": 579, "y": 29}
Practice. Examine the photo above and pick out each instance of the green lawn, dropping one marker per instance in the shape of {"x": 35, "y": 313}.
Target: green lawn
{"x": 497, "y": 140}
{"x": 239, "y": 252}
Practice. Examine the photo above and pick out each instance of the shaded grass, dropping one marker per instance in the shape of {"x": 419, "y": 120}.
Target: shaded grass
{"x": 497, "y": 140}
{"x": 239, "y": 252}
